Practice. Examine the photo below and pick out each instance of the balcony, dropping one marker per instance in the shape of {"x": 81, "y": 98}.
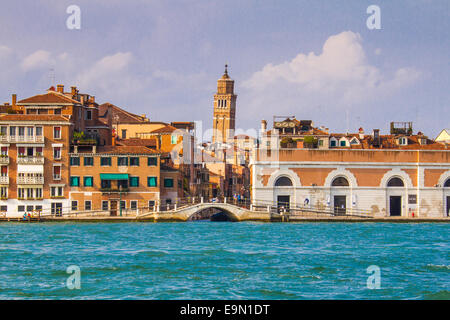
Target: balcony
{"x": 20, "y": 139}
{"x": 4, "y": 159}
{"x": 30, "y": 159}
{"x": 30, "y": 180}
{"x": 56, "y": 177}
{"x": 4, "y": 180}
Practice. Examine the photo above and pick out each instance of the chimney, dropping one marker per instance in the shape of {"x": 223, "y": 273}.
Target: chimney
{"x": 74, "y": 91}
{"x": 14, "y": 100}
{"x": 263, "y": 126}
{"x": 361, "y": 133}
{"x": 376, "y": 137}
{"x": 60, "y": 88}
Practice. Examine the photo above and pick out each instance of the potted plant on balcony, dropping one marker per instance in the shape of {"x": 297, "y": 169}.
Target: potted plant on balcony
{"x": 77, "y": 136}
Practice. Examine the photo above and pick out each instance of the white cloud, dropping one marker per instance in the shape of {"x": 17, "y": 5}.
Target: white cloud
{"x": 36, "y": 60}
{"x": 341, "y": 73}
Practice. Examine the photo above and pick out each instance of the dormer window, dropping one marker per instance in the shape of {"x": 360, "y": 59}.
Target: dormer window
{"x": 343, "y": 143}
{"x": 354, "y": 141}
{"x": 333, "y": 143}
{"x": 403, "y": 141}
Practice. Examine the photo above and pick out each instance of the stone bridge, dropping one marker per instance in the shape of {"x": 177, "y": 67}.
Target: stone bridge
{"x": 233, "y": 212}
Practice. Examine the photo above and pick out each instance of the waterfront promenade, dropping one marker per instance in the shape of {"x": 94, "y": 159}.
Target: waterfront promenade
{"x": 225, "y": 210}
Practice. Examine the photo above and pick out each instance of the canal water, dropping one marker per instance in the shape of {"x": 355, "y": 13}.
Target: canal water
{"x": 225, "y": 260}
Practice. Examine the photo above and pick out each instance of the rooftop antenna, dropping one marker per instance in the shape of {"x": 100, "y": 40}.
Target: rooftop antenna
{"x": 51, "y": 75}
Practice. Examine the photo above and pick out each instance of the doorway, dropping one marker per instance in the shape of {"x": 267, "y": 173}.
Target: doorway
{"x": 56, "y": 209}
{"x": 395, "y": 206}
{"x": 113, "y": 207}
{"x": 283, "y": 203}
{"x": 340, "y": 205}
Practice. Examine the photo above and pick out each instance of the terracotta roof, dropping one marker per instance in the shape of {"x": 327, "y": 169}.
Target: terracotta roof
{"x": 51, "y": 97}
{"x": 126, "y": 150}
{"x": 33, "y": 117}
{"x": 124, "y": 116}
{"x": 137, "y": 142}
{"x": 166, "y": 129}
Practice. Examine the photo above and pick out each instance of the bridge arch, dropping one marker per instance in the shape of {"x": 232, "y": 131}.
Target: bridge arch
{"x": 226, "y": 209}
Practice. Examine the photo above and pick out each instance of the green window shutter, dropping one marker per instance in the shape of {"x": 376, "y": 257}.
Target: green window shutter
{"x": 168, "y": 183}
{"x": 152, "y": 181}
{"x": 88, "y": 181}
{"x": 152, "y": 161}
{"x": 122, "y": 161}
{"x": 134, "y": 181}
{"x": 74, "y": 181}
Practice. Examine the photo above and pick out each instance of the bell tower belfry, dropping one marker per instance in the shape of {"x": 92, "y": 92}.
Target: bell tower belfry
{"x": 224, "y": 110}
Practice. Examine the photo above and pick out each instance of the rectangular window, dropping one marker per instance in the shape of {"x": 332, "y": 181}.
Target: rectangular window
{"x": 12, "y": 131}
{"x": 74, "y": 181}
{"x": 38, "y": 131}
{"x": 56, "y": 172}
{"x": 152, "y": 161}
{"x": 123, "y": 204}
{"x": 57, "y": 153}
{"x": 3, "y": 130}
{"x": 343, "y": 144}
{"x": 122, "y": 161}
{"x": 168, "y": 183}
{"x": 105, "y": 205}
{"x": 88, "y": 114}
{"x": 21, "y": 131}
{"x": 74, "y": 161}
{"x": 133, "y": 204}
{"x": 4, "y": 208}
{"x": 124, "y": 133}
{"x": 106, "y": 184}
{"x": 30, "y": 131}
{"x": 87, "y": 205}
{"x": 173, "y": 139}
{"x": 74, "y": 205}
{"x": 38, "y": 208}
{"x": 30, "y": 208}
{"x": 88, "y": 181}
{"x": 21, "y": 208}
{"x": 134, "y": 181}
{"x": 152, "y": 181}
{"x": 57, "y": 132}
{"x": 105, "y": 161}
{"x": 88, "y": 161}
{"x": 151, "y": 204}
{"x": 134, "y": 161}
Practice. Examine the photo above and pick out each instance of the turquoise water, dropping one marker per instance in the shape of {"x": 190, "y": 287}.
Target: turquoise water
{"x": 212, "y": 260}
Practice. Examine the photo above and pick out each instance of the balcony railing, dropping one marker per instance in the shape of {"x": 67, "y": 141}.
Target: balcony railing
{"x": 30, "y": 160}
{"x": 56, "y": 177}
{"x": 4, "y": 159}
{"x": 4, "y": 180}
{"x": 13, "y": 139}
{"x": 30, "y": 180}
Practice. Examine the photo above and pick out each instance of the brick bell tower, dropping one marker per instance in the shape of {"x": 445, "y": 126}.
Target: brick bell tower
{"x": 224, "y": 110}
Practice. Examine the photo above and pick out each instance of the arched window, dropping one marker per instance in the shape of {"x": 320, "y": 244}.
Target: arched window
{"x": 447, "y": 183}
{"x": 283, "y": 182}
{"x": 395, "y": 182}
{"x": 340, "y": 182}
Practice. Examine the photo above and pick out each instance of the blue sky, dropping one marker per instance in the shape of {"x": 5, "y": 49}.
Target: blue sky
{"x": 312, "y": 59}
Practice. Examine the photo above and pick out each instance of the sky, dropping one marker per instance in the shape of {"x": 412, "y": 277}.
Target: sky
{"x": 315, "y": 60}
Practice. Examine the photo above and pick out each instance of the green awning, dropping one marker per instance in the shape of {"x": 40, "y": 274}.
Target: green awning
{"x": 114, "y": 176}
